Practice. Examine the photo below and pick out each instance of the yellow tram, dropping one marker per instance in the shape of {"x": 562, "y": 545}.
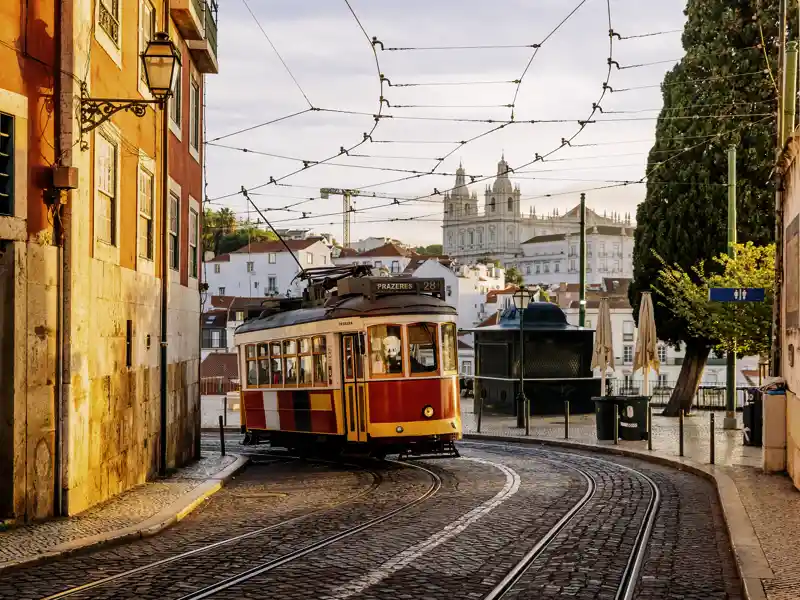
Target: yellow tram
{"x": 371, "y": 368}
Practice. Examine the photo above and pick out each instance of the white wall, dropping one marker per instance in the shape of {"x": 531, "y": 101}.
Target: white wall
{"x": 238, "y": 281}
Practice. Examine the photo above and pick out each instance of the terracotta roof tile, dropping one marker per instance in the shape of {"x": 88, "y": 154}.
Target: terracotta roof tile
{"x": 221, "y": 258}
{"x": 220, "y": 365}
{"x": 276, "y": 246}
{"x": 390, "y": 249}
{"x": 492, "y": 295}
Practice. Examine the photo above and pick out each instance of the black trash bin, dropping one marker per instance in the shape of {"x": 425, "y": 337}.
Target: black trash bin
{"x": 633, "y": 418}
{"x": 753, "y": 417}
{"x": 605, "y": 409}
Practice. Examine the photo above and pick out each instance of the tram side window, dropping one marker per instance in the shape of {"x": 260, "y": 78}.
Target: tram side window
{"x": 263, "y": 364}
{"x": 252, "y": 365}
{"x": 422, "y": 348}
{"x": 449, "y": 345}
{"x": 276, "y": 369}
{"x": 290, "y": 362}
{"x": 306, "y": 369}
{"x": 320, "y": 361}
{"x": 386, "y": 349}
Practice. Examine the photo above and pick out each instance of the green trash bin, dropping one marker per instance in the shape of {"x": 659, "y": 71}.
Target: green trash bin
{"x": 605, "y": 408}
{"x": 632, "y": 418}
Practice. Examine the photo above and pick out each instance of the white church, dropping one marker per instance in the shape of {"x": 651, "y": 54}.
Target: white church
{"x": 543, "y": 248}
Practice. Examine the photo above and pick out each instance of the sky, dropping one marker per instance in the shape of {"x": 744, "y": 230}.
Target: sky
{"x": 323, "y": 59}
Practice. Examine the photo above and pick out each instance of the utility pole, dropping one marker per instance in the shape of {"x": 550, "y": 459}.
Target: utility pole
{"x": 347, "y": 208}
{"x": 730, "y": 388}
{"x": 582, "y": 283}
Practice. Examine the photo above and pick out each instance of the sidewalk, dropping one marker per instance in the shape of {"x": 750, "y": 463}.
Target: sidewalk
{"x": 762, "y": 511}
{"x": 140, "y": 512}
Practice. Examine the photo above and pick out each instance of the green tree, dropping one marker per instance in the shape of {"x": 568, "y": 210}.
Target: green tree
{"x": 513, "y": 276}
{"x": 243, "y": 234}
{"x": 432, "y": 250}
{"x": 732, "y": 327}
{"x": 216, "y": 225}
{"x": 710, "y": 98}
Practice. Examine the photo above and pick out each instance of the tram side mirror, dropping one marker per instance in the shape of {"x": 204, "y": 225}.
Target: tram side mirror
{"x": 362, "y": 344}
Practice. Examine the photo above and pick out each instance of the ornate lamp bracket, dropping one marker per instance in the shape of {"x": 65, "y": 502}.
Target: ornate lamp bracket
{"x": 96, "y": 111}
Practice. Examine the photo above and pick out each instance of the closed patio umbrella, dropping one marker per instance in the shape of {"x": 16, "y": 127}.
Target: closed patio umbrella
{"x": 646, "y": 354}
{"x": 603, "y": 353}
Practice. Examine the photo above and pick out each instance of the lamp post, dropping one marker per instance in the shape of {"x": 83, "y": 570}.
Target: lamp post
{"x": 159, "y": 61}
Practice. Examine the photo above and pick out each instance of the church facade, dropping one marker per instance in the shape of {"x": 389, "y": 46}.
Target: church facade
{"x": 498, "y": 230}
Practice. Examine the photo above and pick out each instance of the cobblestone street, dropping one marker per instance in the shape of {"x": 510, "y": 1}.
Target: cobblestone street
{"x": 502, "y": 521}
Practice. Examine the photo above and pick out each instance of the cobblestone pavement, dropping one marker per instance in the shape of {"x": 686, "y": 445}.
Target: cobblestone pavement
{"x": 493, "y": 506}
{"x": 128, "y": 509}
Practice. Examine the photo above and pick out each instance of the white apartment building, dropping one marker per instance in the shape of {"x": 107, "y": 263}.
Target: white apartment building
{"x": 466, "y": 286}
{"x": 555, "y": 258}
{"x": 265, "y": 268}
{"x": 371, "y": 243}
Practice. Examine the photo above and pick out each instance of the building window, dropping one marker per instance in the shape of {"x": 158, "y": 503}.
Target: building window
{"x": 480, "y": 236}
{"x": 662, "y": 354}
{"x": 216, "y": 338}
{"x": 589, "y": 250}
{"x": 492, "y": 205}
{"x": 527, "y": 269}
{"x": 466, "y": 367}
{"x": 662, "y": 381}
{"x": 6, "y": 164}
{"x": 147, "y": 29}
{"x": 106, "y": 158}
{"x": 239, "y": 315}
{"x": 309, "y": 258}
{"x": 471, "y": 235}
{"x": 627, "y": 331}
{"x": 193, "y": 225}
{"x": 588, "y": 323}
{"x": 510, "y": 205}
{"x": 573, "y": 265}
{"x": 617, "y": 251}
{"x": 538, "y": 269}
{"x": 272, "y": 284}
{"x": 255, "y": 285}
{"x": 491, "y": 235}
{"x": 272, "y": 258}
{"x": 194, "y": 114}
{"x": 175, "y": 99}
{"x": 557, "y": 267}
{"x": 617, "y": 266}
{"x": 627, "y": 354}
{"x": 146, "y": 214}
{"x": 395, "y": 266}
{"x": 573, "y": 250}
{"x": 250, "y": 267}
{"x": 216, "y": 269}
{"x": 547, "y": 267}
{"x": 604, "y": 265}
{"x": 601, "y": 249}
{"x": 378, "y": 264}
{"x": 222, "y": 291}
{"x": 108, "y": 16}
{"x": 174, "y": 221}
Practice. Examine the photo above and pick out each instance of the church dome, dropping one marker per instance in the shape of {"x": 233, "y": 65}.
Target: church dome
{"x": 502, "y": 185}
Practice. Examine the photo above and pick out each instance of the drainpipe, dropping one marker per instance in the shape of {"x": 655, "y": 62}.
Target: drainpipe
{"x": 59, "y": 235}
{"x": 163, "y": 364}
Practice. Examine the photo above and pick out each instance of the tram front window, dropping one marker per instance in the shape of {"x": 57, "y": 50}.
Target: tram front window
{"x": 422, "y": 348}
{"x": 386, "y": 349}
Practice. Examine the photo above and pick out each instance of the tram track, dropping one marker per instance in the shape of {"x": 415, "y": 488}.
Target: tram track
{"x": 633, "y": 567}
{"x": 377, "y": 479}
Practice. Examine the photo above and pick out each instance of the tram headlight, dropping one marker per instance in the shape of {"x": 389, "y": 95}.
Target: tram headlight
{"x": 399, "y": 429}
{"x": 427, "y": 412}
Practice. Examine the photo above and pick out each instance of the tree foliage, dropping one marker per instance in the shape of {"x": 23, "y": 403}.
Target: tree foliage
{"x": 732, "y": 327}
{"x": 432, "y": 250}
{"x": 223, "y": 233}
{"x": 513, "y": 276}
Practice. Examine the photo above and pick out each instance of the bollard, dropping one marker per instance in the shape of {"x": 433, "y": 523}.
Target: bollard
{"x": 649, "y": 427}
{"x": 680, "y": 433}
{"x": 616, "y": 425}
{"x": 480, "y": 410}
{"x": 221, "y": 435}
{"x": 566, "y": 419}
{"x": 225, "y": 410}
{"x": 712, "y": 438}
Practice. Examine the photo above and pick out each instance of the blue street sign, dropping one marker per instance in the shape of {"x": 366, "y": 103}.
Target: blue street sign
{"x": 736, "y": 294}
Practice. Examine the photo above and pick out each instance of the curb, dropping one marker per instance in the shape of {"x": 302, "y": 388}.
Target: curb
{"x": 751, "y": 563}
{"x": 168, "y": 517}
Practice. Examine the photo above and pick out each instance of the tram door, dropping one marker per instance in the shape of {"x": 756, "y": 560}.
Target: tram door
{"x": 355, "y": 398}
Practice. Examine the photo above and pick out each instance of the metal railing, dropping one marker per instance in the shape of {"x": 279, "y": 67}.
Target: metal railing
{"x": 218, "y": 386}
{"x": 211, "y": 25}
{"x": 707, "y": 397}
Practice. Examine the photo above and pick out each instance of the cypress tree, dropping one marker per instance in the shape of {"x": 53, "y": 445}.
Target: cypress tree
{"x": 725, "y": 73}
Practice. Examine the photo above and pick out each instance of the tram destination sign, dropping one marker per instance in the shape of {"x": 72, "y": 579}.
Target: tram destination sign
{"x": 384, "y": 286}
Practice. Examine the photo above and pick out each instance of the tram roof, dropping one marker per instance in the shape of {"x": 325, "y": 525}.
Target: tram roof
{"x": 349, "y": 307}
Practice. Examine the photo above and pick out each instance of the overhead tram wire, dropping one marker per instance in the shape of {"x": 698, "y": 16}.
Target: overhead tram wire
{"x": 278, "y": 235}
{"x": 278, "y": 54}
{"x": 259, "y": 125}
{"x": 366, "y": 136}
{"x": 702, "y": 80}
{"x": 645, "y": 35}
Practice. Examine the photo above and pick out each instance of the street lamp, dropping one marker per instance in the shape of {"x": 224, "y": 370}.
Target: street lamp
{"x": 160, "y": 60}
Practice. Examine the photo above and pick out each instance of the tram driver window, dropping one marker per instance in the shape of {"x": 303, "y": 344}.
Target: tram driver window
{"x": 449, "y": 344}
{"x": 386, "y": 349}
{"x": 252, "y": 366}
{"x": 422, "y": 348}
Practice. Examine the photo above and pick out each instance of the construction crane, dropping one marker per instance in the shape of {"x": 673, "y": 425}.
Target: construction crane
{"x": 347, "y": 207}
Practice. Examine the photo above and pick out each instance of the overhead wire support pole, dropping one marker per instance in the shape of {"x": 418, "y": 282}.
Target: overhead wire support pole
{"x": 582, "y": 282}
{"x": 730, "y": 387}
{"x": 777, "y": 337}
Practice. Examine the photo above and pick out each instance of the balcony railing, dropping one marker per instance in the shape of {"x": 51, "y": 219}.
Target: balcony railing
{"x": 197, "y": 22}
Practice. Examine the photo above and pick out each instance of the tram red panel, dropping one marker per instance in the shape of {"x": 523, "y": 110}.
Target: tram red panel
{"x": 285, "y": 400}
{"x": 404, "y": 400}
{"x": 323, "y": 421}
{"x": 254, "y": 414}
{"x": 287, "y": 420}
